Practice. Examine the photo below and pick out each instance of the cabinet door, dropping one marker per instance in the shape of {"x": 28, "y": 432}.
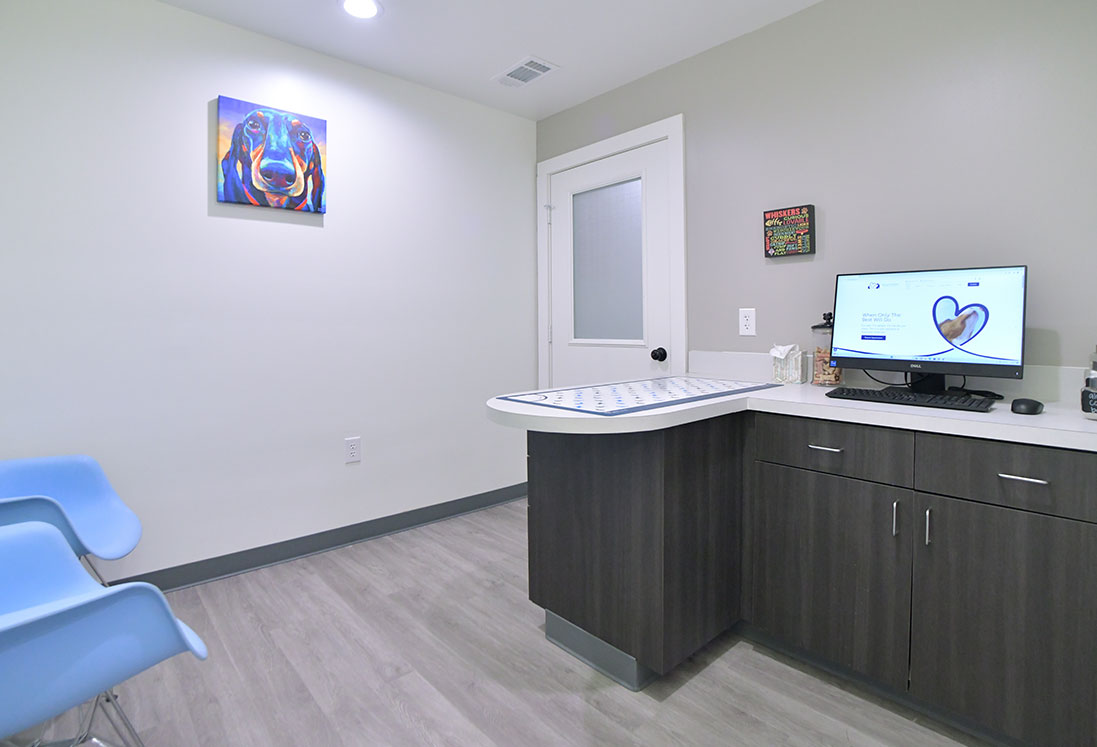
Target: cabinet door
{"x": 634, "y": 537}
{"x": 1004, "y": 619}
{"x": 832, "y": 565}
{"x": 596, "y": 535}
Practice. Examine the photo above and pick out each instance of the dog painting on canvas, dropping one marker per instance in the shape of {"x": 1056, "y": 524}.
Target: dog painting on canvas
{"x": 270, "y": 157}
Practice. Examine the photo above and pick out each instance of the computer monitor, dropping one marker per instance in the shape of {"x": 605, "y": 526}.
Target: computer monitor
{"x": 968, "y": 322}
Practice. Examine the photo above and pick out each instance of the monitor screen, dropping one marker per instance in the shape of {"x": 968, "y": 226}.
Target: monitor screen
{"x": 969, "y": 322}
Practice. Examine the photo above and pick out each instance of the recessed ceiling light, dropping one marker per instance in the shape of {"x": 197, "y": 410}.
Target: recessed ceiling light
{"x": 362, "y": 8}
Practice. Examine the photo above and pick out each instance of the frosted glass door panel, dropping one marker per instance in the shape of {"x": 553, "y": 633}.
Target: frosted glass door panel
{"x": 608, "y": 262}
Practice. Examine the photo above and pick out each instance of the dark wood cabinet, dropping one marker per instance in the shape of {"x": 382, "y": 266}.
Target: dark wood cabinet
{"x": 989, "y": 618}
{"x": 831, "y": 568}
{"x": 634, "y": 537}
{"x": 1004, "y": 614}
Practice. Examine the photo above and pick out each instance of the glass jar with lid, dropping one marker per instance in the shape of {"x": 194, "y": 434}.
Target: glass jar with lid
{"x": 824, "y": 372}
{"x": 1089, "y": 391}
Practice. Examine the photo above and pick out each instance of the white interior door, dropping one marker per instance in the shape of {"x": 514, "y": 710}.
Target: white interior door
{"x": 615, "y": 271}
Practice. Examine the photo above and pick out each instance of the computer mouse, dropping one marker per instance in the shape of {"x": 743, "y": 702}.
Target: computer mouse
{"x": 1023, "y": 406}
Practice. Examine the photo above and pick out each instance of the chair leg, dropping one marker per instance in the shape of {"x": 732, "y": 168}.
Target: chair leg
{"x": 86, "y": 721}
{"x": 129, "y": 735}
{"x": 107, "y": 701}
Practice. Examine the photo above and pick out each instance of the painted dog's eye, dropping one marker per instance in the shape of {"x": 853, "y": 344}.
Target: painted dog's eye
{"x": 304, "y": 136}
{"x": 254, "y": 125}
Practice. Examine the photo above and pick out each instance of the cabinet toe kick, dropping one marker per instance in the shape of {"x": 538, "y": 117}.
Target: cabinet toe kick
{"x": 596, "y": 653}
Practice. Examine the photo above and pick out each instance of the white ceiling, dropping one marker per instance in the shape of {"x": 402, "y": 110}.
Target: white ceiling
{"x": 458, "y": 46}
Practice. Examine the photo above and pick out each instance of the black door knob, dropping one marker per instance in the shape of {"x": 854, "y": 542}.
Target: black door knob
{"x": 659, "y": 354}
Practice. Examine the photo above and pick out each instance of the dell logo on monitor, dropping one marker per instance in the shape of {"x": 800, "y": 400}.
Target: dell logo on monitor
{"x": 915, "y": 365}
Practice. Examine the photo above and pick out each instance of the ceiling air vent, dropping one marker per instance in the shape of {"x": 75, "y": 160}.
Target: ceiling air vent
{"x": 524, "y": 72}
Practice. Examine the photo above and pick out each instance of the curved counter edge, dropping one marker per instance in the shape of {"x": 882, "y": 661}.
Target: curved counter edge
{"x": 1060, "y": 425}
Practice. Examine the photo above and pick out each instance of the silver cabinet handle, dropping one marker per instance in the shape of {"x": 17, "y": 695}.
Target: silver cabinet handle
{"x": 895, "y": 519}
{"x": 825, "y": 448}
{"x": 927, "y": 527}
{"x": 1019, "y": 478}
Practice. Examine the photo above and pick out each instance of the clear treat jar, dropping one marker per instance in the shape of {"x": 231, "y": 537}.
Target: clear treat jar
{"x": 823, "y": 373}
{"x": 1089, "y": 391}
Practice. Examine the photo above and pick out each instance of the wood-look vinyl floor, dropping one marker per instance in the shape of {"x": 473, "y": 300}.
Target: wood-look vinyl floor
{"x": 427, "y": 637}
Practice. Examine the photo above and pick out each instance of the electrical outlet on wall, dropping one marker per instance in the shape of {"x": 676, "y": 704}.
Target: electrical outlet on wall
{"x": 748, "y": 323}
{"x": 352, "y": 449}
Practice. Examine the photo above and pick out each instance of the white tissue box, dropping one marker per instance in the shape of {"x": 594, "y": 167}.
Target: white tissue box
{"x": 788, "y": 364}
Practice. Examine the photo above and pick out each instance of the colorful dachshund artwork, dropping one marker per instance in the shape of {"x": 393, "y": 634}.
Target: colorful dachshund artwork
{"x": 270, "y": 157}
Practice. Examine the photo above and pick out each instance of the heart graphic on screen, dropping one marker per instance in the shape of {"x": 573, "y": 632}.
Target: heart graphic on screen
{"x": 959, "y": 325}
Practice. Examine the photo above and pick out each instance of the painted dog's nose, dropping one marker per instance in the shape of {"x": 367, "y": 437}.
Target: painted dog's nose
{"x": 277, "y": 175}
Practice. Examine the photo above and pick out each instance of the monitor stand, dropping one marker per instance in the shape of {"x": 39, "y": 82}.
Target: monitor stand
{"x": 926, "y": 384}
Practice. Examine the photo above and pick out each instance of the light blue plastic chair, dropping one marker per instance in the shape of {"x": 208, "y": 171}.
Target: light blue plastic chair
{"x": 73, "y": 494}
{"x": 65, "y": 639}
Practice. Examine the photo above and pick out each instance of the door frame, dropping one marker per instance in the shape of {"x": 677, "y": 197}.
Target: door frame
{"x": 671, "y": 130}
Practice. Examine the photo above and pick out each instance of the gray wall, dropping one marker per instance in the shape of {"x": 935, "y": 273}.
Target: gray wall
{"x": 935, "y": 133}
{"x": 213, "y": 357}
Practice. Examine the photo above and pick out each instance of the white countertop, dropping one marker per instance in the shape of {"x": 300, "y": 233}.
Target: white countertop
{"x": 1061, "y": 424}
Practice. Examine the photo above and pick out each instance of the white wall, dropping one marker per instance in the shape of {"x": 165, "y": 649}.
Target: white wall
{"x": 927, "y": 134}
{"x": 213, "y": 357}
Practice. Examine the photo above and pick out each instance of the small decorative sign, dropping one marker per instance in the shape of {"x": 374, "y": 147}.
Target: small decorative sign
{"x": 790, "y": 231}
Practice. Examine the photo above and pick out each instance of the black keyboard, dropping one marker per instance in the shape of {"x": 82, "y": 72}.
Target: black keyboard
{"x": 904, "y": 396}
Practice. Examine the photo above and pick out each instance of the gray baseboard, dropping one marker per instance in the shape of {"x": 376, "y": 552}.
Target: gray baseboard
{"x": 201, "y": 571}
{"x": 597, "y": 654}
